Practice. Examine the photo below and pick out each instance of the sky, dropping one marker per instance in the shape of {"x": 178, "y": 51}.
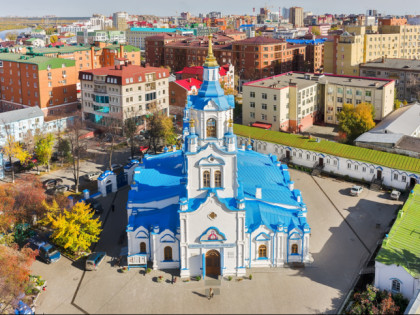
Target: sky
{"x": 172, "y": 7}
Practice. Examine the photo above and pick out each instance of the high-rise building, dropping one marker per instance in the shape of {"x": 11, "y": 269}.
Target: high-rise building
{"x": 285, "y": 13}
{"x": 119, "y": 20}
{"x": 296, "y": 16}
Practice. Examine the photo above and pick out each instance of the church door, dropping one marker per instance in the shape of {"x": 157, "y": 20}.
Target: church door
{"x": 212, "y": 263}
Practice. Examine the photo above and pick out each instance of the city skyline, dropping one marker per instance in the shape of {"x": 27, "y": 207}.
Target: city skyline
{"x": 26, "y": 8}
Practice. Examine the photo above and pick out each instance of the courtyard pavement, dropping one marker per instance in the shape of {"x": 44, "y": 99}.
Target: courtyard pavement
{"x": 345, "y": 231}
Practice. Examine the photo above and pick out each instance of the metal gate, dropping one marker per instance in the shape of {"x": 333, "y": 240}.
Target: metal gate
{"x": 122, "y": 179}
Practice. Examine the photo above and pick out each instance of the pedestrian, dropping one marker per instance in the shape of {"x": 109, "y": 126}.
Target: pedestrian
{"x": 211, "y": 293}
{"x": 113, "y": 208}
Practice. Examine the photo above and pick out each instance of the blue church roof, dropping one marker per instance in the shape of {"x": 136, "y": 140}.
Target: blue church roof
{"x": 165, "y": 218}
{"x": 256, "y": 169}
{"x": 223, "y": 102}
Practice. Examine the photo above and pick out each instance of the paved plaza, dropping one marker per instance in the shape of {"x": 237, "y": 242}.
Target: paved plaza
{"x": 345, "y": 231}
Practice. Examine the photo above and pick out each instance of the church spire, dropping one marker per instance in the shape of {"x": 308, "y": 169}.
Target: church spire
{"x": 210, "y": 60}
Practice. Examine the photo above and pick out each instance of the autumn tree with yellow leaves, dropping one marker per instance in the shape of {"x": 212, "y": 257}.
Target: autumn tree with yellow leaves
{"x": 13, "y": 149}
{"x": 355, "y": 120}
{"x": 74, "y": 230}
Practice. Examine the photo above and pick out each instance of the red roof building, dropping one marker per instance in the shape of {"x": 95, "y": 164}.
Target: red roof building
{"x": 178, "y": 93}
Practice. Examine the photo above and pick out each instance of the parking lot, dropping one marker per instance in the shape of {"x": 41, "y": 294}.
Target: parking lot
{"x": 345, "y": 231}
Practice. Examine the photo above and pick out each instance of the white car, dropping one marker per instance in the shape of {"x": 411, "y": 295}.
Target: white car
{"x": 395, "y": 194}
{"x": 356, "y": 190}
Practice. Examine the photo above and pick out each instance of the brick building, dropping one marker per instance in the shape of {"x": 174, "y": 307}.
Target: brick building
{"x": 27, "y": 81}
{"x": 261, "y": 56}
{"x": 314, "y": 53}
{"x": 178, "y": 92}
{"x": 186, "y": 52}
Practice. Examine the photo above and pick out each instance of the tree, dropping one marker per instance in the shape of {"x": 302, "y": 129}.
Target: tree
{"x": 15, "y": 267}
{"x": 77, "y": 148}
{"x": 63, "y": 149}
{"x": 131, "y": 129}
{"x": 161, "y": 129}
{"x": 373, "y": 301}
{"x": 353, "y": 121}
{"x": 13, "y": 149}
{"x": 112, "y": 131}
{"x": 44, "y": 148}
{"x": 75, "y": 229}
{"x": 11, "y": 36}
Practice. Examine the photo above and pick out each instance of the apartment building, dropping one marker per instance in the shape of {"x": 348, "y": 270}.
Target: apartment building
{"x": 314, "y": 53}
{"x": 405, "y": 72}
{"x": 293, "y": 101}
{"x": 262, "y": 56}
{"x": 27, "y": 81}
{"x": 124, "y": 91}
{"x": 361, "y": 44}
{"x": 188, "y": 51}
{"x": 136, "y": 36}
{"x": 90, "y": 38}
{"x": 296, "y": 16}
{"x": 179, "y": 91}
{"x": 18, "y": 123}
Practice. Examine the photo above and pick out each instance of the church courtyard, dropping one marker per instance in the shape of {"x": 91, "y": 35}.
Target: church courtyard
{"x": 345, "y": 231}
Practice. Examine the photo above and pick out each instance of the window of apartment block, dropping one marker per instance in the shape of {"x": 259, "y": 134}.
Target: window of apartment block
{"x": 263, "y": 117}
{"x": 368, "y": 93}
{"x": 358, "y": 93}
{"x": 274, "y": 118}
{"x": 349, "y": 92}
{"x": 264, "y": 96}
{"x": 264, "y": 106}
{"x": 252, "y": 104}
{"x": 252, "y": 94}
{"x": 349, "y": 101}
{"x": 339, "y": 99}
{"x": 340, "y": 90}
{"x": 274, "y": 107}
{"x": 252, "y": 115}
{"x": 275, "y": 97}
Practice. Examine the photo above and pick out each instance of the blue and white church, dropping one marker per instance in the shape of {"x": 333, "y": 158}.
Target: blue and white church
{"x": 212, "y": 208}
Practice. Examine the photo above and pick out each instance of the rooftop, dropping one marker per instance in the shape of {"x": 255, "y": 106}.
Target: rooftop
{"x": 386, "y": 159}
{"x": 404, "y": 121}
{"x": 304, "y": 80}
{"x": 402, "y": 246}
{"x": 306, "y": 41}
{"x": 259, "y": 40}
{"x": 41, "y": 61}
{"x": 61, "y": 49}
{"x": 159, "y": 30}
{"x": 20, "y": 114}
{"x": 132, "y": 73}
{"x": 127, "y": 48}
{"x": 189, "y": 83}
{"x": 394, "y": 63}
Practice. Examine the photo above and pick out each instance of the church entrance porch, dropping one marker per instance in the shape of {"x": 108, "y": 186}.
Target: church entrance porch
{"x": 212, "y": 263}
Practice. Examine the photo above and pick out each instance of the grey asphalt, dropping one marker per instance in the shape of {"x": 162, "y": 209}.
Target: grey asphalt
{"x": 344, "y": 232}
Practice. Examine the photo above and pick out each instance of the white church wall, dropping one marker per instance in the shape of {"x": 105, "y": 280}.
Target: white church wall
{"x": 261, "y": 236}
{"x": 384, "y": 274}
{"x": 394, "y": 178}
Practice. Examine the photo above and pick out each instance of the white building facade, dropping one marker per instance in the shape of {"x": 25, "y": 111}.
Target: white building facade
{"x": 210, "y": 208}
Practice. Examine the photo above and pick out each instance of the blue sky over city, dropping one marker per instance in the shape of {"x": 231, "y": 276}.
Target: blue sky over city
{"x": 171, "y": 7}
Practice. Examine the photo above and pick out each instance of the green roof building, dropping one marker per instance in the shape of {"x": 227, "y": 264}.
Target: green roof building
{"x": 397, "y": 266}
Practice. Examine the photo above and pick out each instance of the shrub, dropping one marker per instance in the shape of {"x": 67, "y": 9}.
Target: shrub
{"x": 148, "y": 270}
{"x": 229, "y": 278}
{"x": 250, "y": 277}
{"x": 198, "y": 278}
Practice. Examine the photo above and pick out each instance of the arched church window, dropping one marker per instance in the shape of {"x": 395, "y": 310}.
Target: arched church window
{"x": 396, "y": 286}
{"x": 294, "y": 249}
{"x": 168, "y": 253}
{"x": 262, "y": 251}
{"x": 206, "y": 179}
{"x": 142, "y": 248}
{"x": 211, "y": 128}
{"x": 218, "y": 179}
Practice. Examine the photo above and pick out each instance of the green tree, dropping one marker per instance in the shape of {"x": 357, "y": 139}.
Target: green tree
{"x": 353, "y": 121}
{"x": 44, "y": 145}
{"x": 75, "y": 229}
{"x": 63, "y": 149}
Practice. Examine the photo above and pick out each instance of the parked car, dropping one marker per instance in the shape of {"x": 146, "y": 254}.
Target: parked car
{"x": 51, "y": 183}
{"x": 91, "y": 176}
{"x": 356, "y": 190}
{"x": 140, "y": 138}
{"x": 7, "y": 166}
{"x": 395, "y": 194}
{"x": 95, "y": 205}
{"x": 47, "y": 252}
{"x": 94, "y": 260}
{"x": 61, "y": 189}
